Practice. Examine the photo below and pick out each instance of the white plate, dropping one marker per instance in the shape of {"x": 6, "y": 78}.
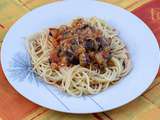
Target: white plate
{"x": 142, "y": 45}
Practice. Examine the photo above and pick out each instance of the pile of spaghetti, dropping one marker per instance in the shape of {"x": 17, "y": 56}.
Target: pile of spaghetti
{"x": 81, "y": 58}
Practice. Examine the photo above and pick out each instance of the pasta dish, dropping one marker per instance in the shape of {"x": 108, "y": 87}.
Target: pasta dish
{"x": 83, "y": 57}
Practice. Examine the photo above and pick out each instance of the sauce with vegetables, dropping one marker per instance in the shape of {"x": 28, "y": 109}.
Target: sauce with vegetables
{"x": 80, "y": 43}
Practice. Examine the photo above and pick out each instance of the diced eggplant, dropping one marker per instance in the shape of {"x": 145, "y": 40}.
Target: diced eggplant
{"x": 99, "y": 58}
{"x": 70, "y": 54}
{"x": 74, "y": 61}
{"x": 102, "y": 43}
{"x": 89, "y": 45}
{"x": 84, "y": 59}
{"x": 63, "y": 61}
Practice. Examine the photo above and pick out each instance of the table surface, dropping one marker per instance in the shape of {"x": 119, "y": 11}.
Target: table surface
{"x": 15, "y": 107}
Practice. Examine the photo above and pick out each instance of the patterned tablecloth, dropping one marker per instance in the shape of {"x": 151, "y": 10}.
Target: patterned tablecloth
{"x": 15, "y": 107}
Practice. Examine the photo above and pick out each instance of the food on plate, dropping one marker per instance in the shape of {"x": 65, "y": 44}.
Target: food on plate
{"x": 83, "y": 57}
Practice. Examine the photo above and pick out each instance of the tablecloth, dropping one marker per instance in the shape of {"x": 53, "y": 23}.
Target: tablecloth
{"x": 15, "y": 107}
